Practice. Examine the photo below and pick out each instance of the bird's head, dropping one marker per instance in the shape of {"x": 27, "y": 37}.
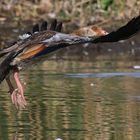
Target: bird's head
{"x": 90, "y": 31}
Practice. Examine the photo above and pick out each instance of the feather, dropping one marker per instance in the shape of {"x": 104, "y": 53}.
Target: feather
{"x": 124, "y": 32}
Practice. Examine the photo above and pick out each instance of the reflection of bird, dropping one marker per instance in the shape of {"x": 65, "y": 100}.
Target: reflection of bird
{"x": 32, "y": 46}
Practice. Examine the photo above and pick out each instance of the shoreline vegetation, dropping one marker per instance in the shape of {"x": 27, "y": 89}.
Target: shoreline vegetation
{"x": 78, "y": 12}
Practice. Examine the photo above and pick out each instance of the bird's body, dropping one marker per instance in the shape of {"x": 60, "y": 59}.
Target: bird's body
{"x": 42, "y": 41}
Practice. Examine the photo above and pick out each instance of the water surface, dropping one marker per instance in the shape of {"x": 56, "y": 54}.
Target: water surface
{"x": 78, "y": 94}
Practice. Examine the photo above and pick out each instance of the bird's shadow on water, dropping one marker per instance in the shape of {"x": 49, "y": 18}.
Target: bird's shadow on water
{"x": 16, "y": 112}
{"x": 15, "y": 133}
{"x": 15, "y": 136}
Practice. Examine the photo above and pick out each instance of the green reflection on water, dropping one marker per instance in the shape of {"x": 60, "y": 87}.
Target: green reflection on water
{"x": 90, "y": 108}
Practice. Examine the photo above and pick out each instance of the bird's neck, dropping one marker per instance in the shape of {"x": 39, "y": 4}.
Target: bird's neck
{"x": 67, "y": 40}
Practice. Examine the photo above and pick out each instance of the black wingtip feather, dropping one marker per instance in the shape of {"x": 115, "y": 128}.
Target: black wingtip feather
{"x": 53, "y": 25}
{"x": 59, "y": 27}
{"x": 44, "y": 26}
{"x": 124, "y": 32}
{"x": 35, "y": 28}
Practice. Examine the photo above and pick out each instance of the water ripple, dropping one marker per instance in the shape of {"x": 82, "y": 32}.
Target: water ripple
{"x": 102, "y": 75}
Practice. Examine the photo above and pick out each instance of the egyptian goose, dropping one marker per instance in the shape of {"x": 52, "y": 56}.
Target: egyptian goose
{"x": 35, "y": 45}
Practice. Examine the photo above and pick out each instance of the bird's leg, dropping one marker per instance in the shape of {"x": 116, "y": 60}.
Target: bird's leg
{"x": 17, "y": 95}
{"x": 12, "y": 91}
{"x": 20, "y": 97}
{"x": 11, "y": 88}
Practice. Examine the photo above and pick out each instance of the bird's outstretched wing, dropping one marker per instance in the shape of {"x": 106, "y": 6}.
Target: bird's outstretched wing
{"x": 125, "y": 32}
{"x": 54, "y": 26}
{"x": 11, "y": 51}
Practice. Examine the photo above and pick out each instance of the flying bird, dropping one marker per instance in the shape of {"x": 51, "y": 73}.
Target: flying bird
{"x": 33, "y": 46}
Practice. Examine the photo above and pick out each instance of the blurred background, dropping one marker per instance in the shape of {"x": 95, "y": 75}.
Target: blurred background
{"x": 87, "y": 92}
{"x": 79, "y": 11}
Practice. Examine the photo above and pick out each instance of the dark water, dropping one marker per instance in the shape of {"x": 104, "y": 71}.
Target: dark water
{"x": 79, "y": 94}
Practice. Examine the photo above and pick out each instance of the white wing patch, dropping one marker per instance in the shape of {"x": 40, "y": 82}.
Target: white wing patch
{"x": 60, "y": 37}
{"x": 24, "y": 36}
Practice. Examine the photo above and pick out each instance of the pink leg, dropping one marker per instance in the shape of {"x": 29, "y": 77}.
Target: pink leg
{"x": 20, "y": 97}
{"x": 19, "y": 85}
{"x": 17, "y": 95}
